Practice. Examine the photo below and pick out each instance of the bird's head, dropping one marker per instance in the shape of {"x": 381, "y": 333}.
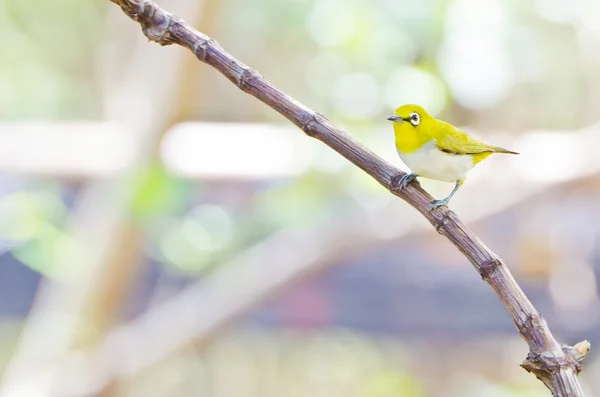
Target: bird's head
{"x": 413, "y": 115}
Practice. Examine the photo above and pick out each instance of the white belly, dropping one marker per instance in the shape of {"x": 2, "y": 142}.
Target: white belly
{"x": 430, "y": 162}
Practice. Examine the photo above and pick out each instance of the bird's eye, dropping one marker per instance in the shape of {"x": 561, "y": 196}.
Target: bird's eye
{"x": 415, "y": 119}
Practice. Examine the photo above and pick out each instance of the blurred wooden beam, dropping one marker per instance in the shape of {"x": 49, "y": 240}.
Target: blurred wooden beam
{"x": 194, "y": 150}
{"x": 253, "y": 151}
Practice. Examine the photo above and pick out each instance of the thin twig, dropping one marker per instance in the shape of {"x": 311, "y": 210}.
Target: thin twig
{"x": 553, "y": 364}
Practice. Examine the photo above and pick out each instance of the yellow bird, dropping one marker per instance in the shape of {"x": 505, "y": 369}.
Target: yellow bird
{"x": 434, "y": 149}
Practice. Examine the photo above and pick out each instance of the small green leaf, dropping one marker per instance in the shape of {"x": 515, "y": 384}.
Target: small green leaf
{"x": 156, "y": 192}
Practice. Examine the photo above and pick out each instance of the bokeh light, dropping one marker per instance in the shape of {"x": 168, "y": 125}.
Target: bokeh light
{"x": 412, "y": 85}
{"x": 472, "y": 55}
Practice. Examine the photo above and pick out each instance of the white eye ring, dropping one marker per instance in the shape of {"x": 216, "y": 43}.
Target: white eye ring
{"x": 415, "y": 119}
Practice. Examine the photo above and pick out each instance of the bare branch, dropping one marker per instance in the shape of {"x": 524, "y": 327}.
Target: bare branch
{"x": 552, "y": 363}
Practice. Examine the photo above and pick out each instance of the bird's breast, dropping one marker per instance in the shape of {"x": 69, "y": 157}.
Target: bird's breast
{"x": 432, "y": 163}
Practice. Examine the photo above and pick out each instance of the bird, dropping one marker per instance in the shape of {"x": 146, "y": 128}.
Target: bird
{"x": 435, "y": 149}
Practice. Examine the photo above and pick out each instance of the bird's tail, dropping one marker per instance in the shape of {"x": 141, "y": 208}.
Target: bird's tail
{"x": 497, "y": 149}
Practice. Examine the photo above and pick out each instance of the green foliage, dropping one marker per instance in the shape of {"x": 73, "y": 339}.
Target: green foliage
{"x": 46, "y": 68}
{"x": 156, "y": 192}
{"x": 47, "y": 253}
{"x": 193, "y": 244}
{"x": 33, "y": 219}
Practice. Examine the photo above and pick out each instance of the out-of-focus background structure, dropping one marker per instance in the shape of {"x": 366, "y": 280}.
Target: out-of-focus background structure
{"x": 164, "y": 234}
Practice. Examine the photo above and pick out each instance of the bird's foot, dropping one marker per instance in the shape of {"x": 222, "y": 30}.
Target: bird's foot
{"x": 405, "y": 180}
{"x": 438, "y": 203}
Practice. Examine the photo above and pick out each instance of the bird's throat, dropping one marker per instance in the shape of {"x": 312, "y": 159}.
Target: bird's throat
{"x": 407, "y": 138}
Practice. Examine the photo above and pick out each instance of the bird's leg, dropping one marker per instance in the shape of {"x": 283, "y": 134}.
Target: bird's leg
{"x": 439, "y": 203}
{"x": 405, "y": 180}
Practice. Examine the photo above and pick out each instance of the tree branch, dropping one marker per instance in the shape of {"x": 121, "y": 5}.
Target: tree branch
{"x": 553, "y": 364}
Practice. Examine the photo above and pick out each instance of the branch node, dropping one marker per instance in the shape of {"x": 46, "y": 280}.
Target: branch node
{"x": 580, "y": 350}
{"x": 577, "y": 353}
{"x": 201, "y": 48}
{"x": 308, "y": 126}
{"x": 488, "y": 267}
{"x": 156, "y": 24}
{"x": 139, "y": 10}
{"x": 546, "y": 364}
{"x": 531, "y": 321}
{"x": 246, "y": 78}
{"x": 132, "y": 10}
{"x": 394, "y": 184}
{"x": 443, "y": 222}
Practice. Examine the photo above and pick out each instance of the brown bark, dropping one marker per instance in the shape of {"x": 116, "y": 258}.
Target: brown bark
{"x": 554, "y": 364}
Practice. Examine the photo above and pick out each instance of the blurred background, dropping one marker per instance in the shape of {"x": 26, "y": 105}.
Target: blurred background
{"x": 163, "y": 233}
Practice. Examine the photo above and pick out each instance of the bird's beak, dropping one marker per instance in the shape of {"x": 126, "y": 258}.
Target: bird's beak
{"x": 394, "y": 118}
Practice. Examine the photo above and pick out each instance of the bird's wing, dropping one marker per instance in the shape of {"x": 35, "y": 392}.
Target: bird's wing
{"x": 454, "y": 141}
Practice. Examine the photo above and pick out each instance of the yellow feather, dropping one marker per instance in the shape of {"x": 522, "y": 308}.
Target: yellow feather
{"x": 410, "y": 139}
{"x": 447, "y": 137}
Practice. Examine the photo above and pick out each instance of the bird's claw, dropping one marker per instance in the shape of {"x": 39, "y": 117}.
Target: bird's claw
{"x": 438, "y": 203}
{"x": 405, "y": 180}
